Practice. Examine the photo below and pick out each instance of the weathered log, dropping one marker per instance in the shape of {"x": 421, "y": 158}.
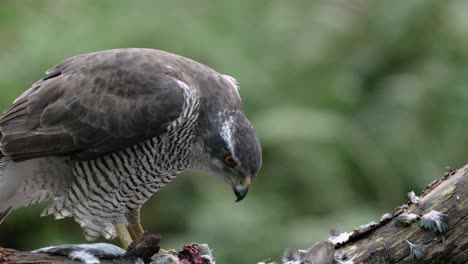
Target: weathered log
{"x": 408, "y": 235}
{"x": 387, "y": 242}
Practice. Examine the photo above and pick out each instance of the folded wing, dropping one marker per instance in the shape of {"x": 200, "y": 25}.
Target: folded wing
{"x": 93, "y": 104}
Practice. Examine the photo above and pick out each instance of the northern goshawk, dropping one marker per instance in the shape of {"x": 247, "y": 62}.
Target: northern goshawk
{"x": 102, "y": 132}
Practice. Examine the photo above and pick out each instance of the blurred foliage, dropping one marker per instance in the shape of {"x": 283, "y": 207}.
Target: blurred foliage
{"x": 356, "y": 103}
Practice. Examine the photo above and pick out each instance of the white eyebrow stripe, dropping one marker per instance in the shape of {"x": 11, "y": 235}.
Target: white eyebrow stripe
{"x": 227, "y": 131}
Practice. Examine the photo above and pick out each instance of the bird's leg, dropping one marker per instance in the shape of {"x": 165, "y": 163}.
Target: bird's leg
{"x": 123, "y": 235}
{"x": 137, "y": 230}
{"x": 134, "y": 225}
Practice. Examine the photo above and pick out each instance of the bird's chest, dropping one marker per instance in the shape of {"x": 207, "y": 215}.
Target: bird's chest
{"x": 134, "y": 174}
{"x": 158, "y": 158}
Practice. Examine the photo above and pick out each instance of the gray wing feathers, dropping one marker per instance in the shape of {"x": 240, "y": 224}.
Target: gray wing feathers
{"x": 93, "y": 104}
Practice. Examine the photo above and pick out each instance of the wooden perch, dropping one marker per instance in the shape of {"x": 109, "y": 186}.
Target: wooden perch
{"x": 386, "y": 242}
{"x": 382, "y": 242}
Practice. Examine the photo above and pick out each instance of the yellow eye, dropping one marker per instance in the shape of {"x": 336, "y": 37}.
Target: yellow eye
{"x": 229, "y": 160}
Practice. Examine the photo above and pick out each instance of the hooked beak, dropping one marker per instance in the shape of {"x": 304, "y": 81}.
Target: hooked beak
{"x": 242, "y": 189}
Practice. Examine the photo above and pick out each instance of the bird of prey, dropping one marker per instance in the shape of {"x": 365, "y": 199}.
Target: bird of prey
{"x": 102, "y": 132}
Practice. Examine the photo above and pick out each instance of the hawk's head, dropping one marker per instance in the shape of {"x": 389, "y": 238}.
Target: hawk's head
{"x": 230, "y": 145}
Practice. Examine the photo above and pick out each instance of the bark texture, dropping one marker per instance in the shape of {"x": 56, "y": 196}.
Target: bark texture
{"x": 386, "y": 242}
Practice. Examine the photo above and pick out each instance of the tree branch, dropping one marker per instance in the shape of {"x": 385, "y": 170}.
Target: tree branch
{"x": 386, "y": 243}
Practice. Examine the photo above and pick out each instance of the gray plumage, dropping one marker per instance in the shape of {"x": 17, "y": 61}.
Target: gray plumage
{"x": 100, "y": 133}
{"x": 99, "y": 250}
{"x": 435, "y": 221}
{"x": 417, "y": 251}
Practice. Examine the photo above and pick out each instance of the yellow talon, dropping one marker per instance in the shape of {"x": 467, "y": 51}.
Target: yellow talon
{"x": 137, "y": 230}
{"x": 123, "y": 235}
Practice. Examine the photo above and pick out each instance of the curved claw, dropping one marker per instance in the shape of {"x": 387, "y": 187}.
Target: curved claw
{"x": 137, "y": 230}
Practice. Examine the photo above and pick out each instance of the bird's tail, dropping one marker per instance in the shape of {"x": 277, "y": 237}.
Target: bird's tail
{"x": 3, "y": 211}
{"x": 31, "y": 181}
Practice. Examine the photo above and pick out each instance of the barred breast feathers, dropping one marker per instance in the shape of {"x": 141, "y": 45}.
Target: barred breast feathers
{"x": 108, "y": 189}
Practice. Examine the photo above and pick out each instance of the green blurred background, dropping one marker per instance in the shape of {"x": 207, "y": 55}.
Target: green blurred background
{"x": 356, "y": 102}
